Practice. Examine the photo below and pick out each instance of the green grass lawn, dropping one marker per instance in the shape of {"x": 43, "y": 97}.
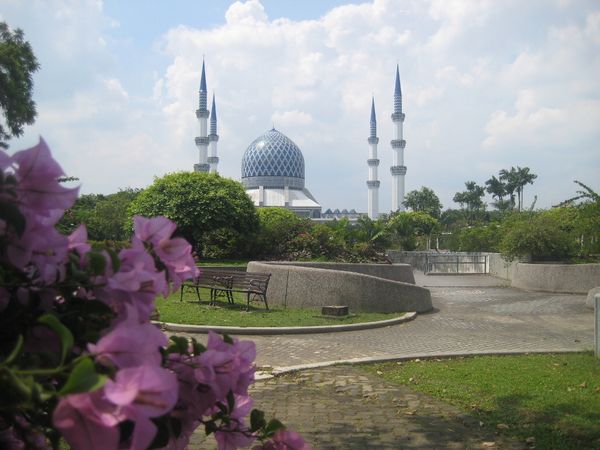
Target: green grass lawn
{"x": 224, "y": 262}
{"x": 554, "y": 398}
{"x": 189, "y": 311}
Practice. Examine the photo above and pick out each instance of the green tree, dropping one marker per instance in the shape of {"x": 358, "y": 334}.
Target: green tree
{"x": 452, "y": 219}
{"x": 510, "y": 180}
{"x": 471, "y": 200}
{"x": 405, "y": 227}
{"x": 549, "y": 235}
{"x": 497, "y": 189}
{"x": 105, "y": 216}
{"x": 515, "y": 180}
{"x": 482, "y": 238}
{"x": 423, "y": 200}
{"x": 524, "y": 177}
{"x": 213, "y": 213}
{"x": 17, "y": 64}
{"x": 587, "y": 205}
{"x": 278, "y": 227}
{"x": 372, "y": 233}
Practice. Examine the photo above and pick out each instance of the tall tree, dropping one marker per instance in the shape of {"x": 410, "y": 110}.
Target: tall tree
{"x": 497, "y": 189}
{"x": 524, "y": 177}
{"x": 213, "y": 213}
{"x": 17, "y": 64}
{"x": 510, "y": 179}
{"x": 471, "y": 200}
{"x": 423, "y": 200}
{"x": 515, "y": 180}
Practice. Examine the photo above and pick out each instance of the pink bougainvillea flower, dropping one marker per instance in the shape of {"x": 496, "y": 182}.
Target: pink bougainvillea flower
{"x": 40, "y": 245}
{"x": 153, "y": 230}
{"x": 195, "y": 399}
{"x": 146, "y": 390}
{"x": 175, "y": 254}
{"x": 88, "y": 421}
{"x": 226, "y": 367}
{"x": 38, "y": 188}
{"x": 78, "y": 242}
{"x": 137, "y": 283}
{"x": 284, "y": 440}
{"x": 141, "y": 393}
{"x": 130, "y": 343}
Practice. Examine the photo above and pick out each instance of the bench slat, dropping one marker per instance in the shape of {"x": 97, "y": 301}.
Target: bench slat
{"x": 224, "y": 282}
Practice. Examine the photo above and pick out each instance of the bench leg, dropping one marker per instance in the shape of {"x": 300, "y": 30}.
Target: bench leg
{"x": 198, "y": 293}
{"x": 264, "y": 296}
{"x": 181, "y": 294}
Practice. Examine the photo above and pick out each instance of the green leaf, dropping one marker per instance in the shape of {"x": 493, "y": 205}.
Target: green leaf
{"x": 178, "y": 345}
{"x": 10, "y": 213}
{"x": 230, "y": 401}
{"x": 66, "y": 338}
{"x": 161, "y": 438}
{"x": 83, "y": 378}
{"x": 257, "y": 420}
{"x": 97, "y": 263}
{"x": 15, "y": 351}
{"x": 228, "y": 339}
{"x": 210, "y": 427}
{"x": 15, "y": 389}
{"x": 198, "y": 347}
{"x": 114, "y": 259}
{"x": 273, "y": 426}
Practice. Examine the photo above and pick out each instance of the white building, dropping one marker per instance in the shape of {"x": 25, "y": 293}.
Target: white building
{"x": 273, "y": 175}
{"x": 398, "y": 168}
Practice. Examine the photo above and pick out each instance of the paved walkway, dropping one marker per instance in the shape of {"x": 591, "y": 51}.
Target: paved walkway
{"x": 335, "y": 406}
{"x": 472, "y": 314}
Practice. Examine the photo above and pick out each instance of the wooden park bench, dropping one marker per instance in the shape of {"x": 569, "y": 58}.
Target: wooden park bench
{"x": 223, "y": 283}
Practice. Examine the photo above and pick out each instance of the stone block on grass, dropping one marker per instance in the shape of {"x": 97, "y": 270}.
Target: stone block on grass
{"x": 334, "y": 311}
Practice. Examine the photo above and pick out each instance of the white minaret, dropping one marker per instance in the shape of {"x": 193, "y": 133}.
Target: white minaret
{"x": 373, "y": 162}
{"x": 213, "y": 138}
{"x": 398, "y": 169}
{"x": 202, "y": 138}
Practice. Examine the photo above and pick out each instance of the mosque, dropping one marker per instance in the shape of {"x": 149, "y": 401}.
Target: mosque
{"x": 273, "y": 165}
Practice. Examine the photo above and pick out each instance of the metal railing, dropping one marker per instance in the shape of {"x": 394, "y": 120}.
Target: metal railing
{"x": 457, "y": 264}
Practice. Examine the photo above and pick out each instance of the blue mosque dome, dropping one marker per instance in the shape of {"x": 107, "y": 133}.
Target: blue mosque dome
{"x": 273, "y": 161}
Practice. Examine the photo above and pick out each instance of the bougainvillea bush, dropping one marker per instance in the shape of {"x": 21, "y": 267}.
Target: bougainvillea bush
{"x": 79, "y": 359}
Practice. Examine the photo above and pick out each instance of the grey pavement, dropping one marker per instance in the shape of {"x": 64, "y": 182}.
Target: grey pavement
{"x": 344, "y": 407}
{"x": 472, "y": 314}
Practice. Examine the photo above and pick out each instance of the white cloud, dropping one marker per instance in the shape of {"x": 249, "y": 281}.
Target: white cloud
{"x": 481, "y": 92}
{"x": 291, "y": 118}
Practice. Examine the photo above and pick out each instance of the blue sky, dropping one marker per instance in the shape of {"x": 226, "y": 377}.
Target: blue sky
{"x": 487, "y": 85}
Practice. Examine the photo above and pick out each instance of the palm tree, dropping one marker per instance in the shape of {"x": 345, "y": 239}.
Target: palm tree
{"x": 497, "y": 189}
{"x": 586, "y": 194}
{"x": 510, "y": 183}
{"x": 524, "y": 177}
{"x": 515, "y": 180}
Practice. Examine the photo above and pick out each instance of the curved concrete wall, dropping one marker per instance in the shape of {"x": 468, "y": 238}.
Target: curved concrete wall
{"x": 395, "y": 272}
{"x": 568, "y": 278}
{"x": 302, "y": 287}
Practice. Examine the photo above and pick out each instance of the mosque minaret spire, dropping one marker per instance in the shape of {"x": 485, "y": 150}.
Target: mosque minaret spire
{"x": 202, "y": 115}
{"x": 398, "y": 168}
{"x": 213, "y": 138}
{"x": 373, "y": 162}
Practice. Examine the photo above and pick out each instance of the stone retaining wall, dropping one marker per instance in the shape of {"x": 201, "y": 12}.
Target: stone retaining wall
{"x": 568, "y": 278}
{"x": 395, "y": 272}
{"x": 301, "y": 287}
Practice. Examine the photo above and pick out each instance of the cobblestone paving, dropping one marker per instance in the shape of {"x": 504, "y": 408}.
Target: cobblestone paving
{"x": 479, "y": 319}
{"x": 344, "y": 407}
